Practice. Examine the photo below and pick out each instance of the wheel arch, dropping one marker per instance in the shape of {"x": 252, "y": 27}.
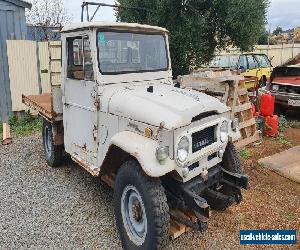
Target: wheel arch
{"x": 111, "y": 163}
{"x": 126, "y": 145}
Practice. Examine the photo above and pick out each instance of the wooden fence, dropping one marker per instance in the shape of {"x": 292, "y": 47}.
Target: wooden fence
{"x": 29, "y": 68}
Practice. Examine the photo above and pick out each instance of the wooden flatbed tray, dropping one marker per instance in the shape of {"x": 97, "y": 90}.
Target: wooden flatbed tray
{"x": 42, "y": 104}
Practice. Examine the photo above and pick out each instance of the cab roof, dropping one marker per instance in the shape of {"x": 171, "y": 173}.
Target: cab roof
{"x": 113, "y": 25}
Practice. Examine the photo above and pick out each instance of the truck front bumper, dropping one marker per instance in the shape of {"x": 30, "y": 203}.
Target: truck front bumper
{"x": 189, "y": 195}
{"x": 282, "y": 98}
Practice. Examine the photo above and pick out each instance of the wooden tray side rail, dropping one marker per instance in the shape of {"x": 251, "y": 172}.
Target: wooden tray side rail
{"x": 43, "y": 105}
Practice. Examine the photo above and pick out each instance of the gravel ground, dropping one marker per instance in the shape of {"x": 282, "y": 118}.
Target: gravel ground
{"x": 44, "y": 207}
{"x": 55, "y": 208}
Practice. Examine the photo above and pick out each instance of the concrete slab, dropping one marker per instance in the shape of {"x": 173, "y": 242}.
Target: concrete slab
{"x": 286, "y": 163}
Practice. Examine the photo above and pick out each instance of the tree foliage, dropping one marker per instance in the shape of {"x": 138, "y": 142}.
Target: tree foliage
{"x": 47, "y": 14}
{"x": 277, "y": 31}
{"x": 264, "y": 38}
{"x": 198, "y": 27}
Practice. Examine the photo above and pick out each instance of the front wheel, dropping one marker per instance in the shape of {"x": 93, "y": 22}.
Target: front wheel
{"x": 54, "y": 153}
{"x": 141, "y": 209}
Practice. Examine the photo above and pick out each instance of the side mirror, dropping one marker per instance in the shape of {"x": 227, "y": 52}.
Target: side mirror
{"x": 242, "y": 69}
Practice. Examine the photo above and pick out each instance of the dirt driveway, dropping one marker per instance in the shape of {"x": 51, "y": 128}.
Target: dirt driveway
{"x": 67, "y": 208}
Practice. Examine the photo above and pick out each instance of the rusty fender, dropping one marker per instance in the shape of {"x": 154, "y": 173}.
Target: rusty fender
{"x": 143, "y": 149}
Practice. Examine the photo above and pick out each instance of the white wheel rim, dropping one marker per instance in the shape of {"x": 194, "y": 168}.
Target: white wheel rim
{"x": 134, "y": 215}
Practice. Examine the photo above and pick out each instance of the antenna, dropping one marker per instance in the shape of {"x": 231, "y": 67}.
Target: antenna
{"x": 85, "y": 7}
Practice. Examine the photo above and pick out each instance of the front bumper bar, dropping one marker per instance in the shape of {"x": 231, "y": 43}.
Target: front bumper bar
{"x": 188, "y": 195}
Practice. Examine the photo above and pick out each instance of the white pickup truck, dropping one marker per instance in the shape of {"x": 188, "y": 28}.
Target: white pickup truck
{"x": 119, "y": 116}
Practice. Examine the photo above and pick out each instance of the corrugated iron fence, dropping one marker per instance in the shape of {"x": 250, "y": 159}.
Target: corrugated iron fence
{"x": 12, "y": 26}
{"x": 29, "y": 68}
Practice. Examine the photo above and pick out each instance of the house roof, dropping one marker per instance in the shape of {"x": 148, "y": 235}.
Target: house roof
{"x": 141, "y": 27}
{"x": 20, "y": 3}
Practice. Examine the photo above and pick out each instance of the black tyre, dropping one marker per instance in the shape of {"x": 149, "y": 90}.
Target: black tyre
{"x": 280, "y": 110}
{"x": 141, "y": 209}
{"x": 231, "y": 162}
{"x": 54, "y": 154}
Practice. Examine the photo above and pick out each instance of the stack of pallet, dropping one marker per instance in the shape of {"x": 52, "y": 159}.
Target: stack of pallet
{"x": 230, "y": 89}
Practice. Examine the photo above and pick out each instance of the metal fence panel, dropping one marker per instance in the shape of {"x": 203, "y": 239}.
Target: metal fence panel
{"x": 23, "y": 74}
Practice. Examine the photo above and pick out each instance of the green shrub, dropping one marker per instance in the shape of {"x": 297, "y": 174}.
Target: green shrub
{"x": 245, "y": 154}
{"x": 282, "y": 123}
{"x": 28, "y": 125}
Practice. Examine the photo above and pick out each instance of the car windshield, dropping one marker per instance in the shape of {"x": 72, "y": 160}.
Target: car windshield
{"x": 121, "y": 52}
{"x": 263, "y": 61}
{"x": 286, "y": 71}
{"x": 224, "y": 61}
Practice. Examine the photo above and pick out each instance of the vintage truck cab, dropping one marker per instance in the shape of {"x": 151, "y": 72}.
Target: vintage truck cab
{"x": 118, "y": 114}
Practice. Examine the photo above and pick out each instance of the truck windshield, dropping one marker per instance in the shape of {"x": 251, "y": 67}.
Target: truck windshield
{"x": 120, "y": 52}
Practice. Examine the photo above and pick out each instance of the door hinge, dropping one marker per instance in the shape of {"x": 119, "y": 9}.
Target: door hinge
{"x": 95, "y": 132}
{"x": 94, "y": 95}
{"x": 97, "y": 103}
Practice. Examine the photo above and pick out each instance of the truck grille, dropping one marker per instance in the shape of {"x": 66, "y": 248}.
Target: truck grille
{"x": 203, "y": 138}
{"x": 288, "y": 89}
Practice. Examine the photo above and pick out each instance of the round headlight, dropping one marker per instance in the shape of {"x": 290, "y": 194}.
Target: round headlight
{"x": 275, "y": 87}
{"x": 183, "y": 149}
{"x": 224, "y": 131}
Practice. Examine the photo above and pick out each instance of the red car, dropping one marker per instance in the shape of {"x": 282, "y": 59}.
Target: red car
{"x": 285, "y": 86}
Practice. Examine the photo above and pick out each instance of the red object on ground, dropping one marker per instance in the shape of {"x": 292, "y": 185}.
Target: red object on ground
{"x": 271, "y": 125}
{"x": 267, "y": 105}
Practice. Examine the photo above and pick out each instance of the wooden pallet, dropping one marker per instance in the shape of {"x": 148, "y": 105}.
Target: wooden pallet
{"x": 241, "y": 109}
{"x": 231, "y": 89}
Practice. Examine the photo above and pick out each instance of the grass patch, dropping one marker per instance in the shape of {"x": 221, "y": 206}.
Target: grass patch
{"x": 294, "y": 124}
{"x": 291, "y": 216}
{"x": 282, "y": 123}
{"x": 283, "y": 141}
{"x": 245, "y": 154}
{"x": 28, "y": 125}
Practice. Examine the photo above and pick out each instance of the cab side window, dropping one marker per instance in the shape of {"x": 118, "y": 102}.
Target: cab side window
{"x": 243, "y": 63}
{"x": 252, "y": 63}
{"x": 80, "y": 65}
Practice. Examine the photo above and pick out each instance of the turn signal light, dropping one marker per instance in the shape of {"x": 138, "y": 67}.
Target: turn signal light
{"x": 148, "y": 132}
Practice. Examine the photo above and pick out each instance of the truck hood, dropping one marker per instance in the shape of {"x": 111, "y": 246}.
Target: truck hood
{"x": 153, "y": 104}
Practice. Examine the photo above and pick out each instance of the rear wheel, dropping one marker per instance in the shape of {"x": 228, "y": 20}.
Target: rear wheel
{"x": 54, "y": 153}
{"x": 231, "y": 162}
{"x": 141, "y": 209}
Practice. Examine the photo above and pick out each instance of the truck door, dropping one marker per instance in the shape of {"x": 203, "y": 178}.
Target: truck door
{"x": 80, "y": 101}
